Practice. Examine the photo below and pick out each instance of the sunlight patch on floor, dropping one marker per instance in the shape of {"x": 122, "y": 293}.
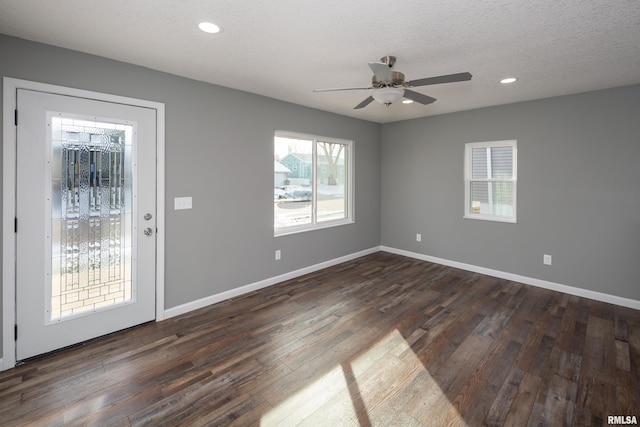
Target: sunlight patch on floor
{"x": 296, "y": 408}
{"x": 385, "y": 385}
{"x": 83, "y": 407}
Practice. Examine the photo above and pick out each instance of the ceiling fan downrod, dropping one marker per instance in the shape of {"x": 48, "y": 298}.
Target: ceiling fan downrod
{"x": 389, "y": 60}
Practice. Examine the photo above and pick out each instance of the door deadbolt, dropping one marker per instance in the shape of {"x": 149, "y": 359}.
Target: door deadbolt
{"x": 147, "y": 216}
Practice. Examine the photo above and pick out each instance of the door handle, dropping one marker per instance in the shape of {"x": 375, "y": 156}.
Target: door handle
{"x": 148, "y": 231}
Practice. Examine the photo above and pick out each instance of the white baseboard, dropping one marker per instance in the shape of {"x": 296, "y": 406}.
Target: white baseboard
{"x": 203, "y": 302}
{"x": 585, "y": 293}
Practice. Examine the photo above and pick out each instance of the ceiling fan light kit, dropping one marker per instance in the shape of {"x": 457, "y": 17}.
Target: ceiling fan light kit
{"x": 387, "y": 95}
{"x": 388, "y": 86}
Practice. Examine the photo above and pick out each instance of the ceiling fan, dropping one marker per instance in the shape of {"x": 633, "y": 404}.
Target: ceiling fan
{"x": 388, "y": 86}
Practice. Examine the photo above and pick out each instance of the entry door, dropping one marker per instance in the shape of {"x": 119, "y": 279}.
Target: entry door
{"x": 85, "y": 209}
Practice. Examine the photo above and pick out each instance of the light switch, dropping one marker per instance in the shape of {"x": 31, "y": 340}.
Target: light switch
{"x": 182, "y": 203}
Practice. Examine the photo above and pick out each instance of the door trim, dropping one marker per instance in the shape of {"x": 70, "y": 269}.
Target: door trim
{"x": 9, "y": 105}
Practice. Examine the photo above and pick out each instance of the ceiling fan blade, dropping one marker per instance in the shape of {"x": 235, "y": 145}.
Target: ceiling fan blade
{"x": 449, "y": 78}
{"x": 418, "y": 97}
{"x": 382, "y": 71}
{"x": 364, "y": 103}
{"x": 335, "y": 89}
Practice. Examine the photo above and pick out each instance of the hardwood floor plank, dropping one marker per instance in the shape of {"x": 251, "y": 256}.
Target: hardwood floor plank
{"x": 375, "y": 389}
{"x": 623, "y": 357}
{"x": 598, "y": 356}
{"x": 567, "y": 366}
{"x": 627, "y": 393}
{"x": 500, "y": 355}
{"x": 633, "y": 324}
{"x": 536, "y": 341}
{"x": 420, "y": 395}
{"x": 484, "y": 400}
{"x": 381, "y": 340}
{"x": 579, "y": 334}
{"x": 564, "y": 337}
{"x": 504, "y": 399}
{"x": 559, "y": 405}
{"x": 523, "y": 402}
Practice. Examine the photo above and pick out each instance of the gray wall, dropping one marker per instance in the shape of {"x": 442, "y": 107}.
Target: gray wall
{"x": 578, "y": 189}
{"x": 219, "y": 150}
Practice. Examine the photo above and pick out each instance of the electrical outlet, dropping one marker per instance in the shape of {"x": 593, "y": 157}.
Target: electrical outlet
{"x": 278, "y": 255}
{"x": 418, "y": 237}
{"x": 546, "y": 259}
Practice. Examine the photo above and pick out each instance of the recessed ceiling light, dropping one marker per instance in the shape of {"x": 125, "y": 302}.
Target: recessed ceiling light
{"x": 508, "y": 80}
{"x": 210, "y": 28}
{"x": 407, "y": 101}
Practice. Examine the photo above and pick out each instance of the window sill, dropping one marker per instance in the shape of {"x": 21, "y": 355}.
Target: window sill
{"x": 491, "y": 218}
{"x": 302, "y": 229}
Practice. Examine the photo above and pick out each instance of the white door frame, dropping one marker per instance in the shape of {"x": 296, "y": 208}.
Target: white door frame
{"x": 10, "y": 87}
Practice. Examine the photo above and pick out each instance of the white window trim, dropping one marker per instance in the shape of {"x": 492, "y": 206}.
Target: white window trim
{"x": 467, "y": 180}
{"x": 349, "y": 219}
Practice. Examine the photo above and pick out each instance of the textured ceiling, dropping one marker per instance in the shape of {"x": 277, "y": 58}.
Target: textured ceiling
{"x": 285, "y": 48}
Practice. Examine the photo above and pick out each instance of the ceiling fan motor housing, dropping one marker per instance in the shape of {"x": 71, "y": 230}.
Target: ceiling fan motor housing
{"x": 397, "y": 79}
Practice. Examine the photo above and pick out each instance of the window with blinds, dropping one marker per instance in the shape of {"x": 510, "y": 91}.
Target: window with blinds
{"x": 490, "y": 180}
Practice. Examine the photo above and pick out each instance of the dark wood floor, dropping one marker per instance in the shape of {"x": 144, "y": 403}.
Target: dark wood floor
{"x": 383, "y": 340}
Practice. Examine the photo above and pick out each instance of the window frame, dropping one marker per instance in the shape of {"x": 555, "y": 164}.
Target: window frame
{"x": 349, "y": 174}
{"x": 468, "y": 179}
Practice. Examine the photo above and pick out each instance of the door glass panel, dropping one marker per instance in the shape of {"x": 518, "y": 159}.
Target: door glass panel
{"x": 91, "y": 216}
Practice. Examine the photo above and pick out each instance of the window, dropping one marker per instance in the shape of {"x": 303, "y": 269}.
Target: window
{"x": 490, "y": 180}
{"x": 312, "y": 182}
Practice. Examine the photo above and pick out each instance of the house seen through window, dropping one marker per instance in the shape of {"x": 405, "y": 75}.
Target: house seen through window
{"x": 312, "y": 182}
